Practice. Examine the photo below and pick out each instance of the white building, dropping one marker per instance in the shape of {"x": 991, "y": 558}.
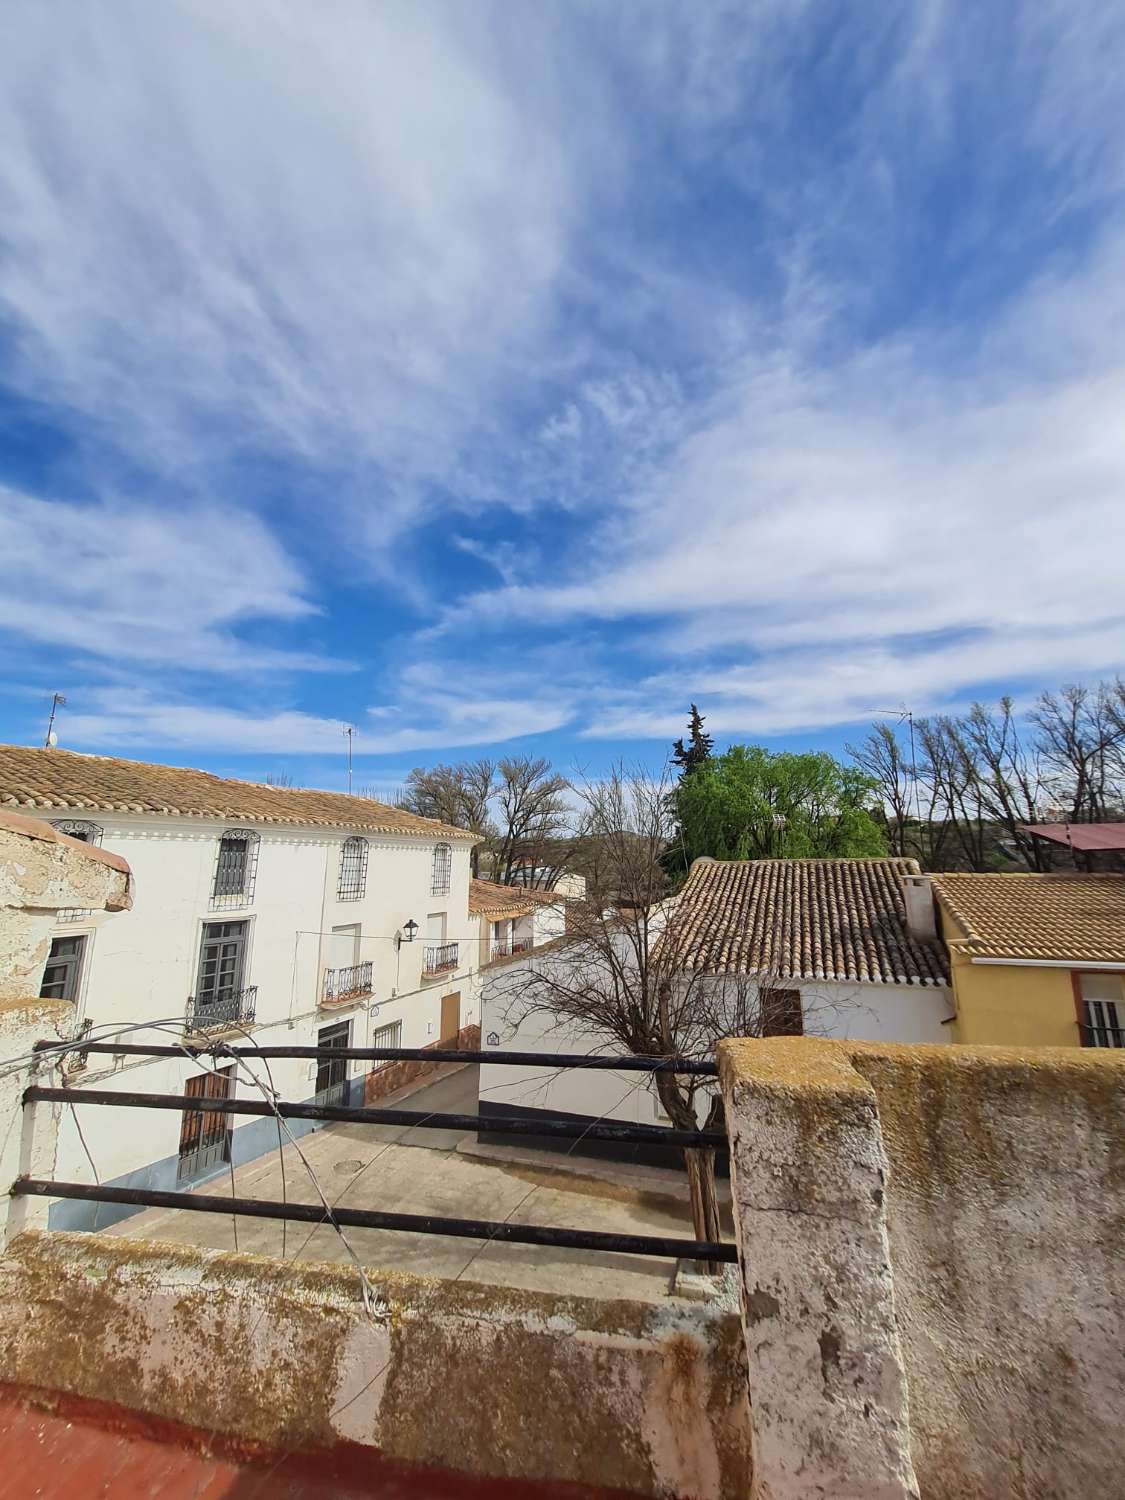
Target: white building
{"x": 842, "y": 945}
{"x": 300, "y": 917}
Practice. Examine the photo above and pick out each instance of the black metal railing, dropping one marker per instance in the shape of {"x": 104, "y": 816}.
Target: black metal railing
{"x": 350, "y": 983}
{"x": 439, "y": 958}
{"x": 222, "y": 1008}
{"x": 315, "y": 1213}
{"x": 1094, "y": 1035}
{"x": 505, "y": 948}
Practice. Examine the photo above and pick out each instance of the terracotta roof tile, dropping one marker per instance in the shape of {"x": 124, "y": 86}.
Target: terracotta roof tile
{"x": 489, "y": 898}
{"x": 833, "y": 919}
{"x": 62, "y": 778}
{"x": 1062, "y": 916}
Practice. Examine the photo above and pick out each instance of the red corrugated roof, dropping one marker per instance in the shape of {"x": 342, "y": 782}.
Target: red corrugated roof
{"x": 1082, "y": 836}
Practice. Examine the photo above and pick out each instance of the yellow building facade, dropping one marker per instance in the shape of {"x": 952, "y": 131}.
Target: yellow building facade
{"x": 1036, "y": 960}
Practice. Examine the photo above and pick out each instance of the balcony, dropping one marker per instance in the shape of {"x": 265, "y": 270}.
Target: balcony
{"x": 505, "y": 949}
{"x": 343, "y": 985}
{"x": 438, "y": 958}
{"x": 222, "y": 1008}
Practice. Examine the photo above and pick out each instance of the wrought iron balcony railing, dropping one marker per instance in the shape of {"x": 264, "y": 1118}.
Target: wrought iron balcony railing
{"x": 439, "y": 958}
{"x": 222, "y": 1007}
{"x": 505, "y": 949}
{"x": 351, "y": 983}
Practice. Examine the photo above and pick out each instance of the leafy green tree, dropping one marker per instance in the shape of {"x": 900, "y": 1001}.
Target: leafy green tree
{"x": 752, "y": 803}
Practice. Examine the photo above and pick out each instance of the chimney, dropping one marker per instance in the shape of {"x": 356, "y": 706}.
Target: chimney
{"x": 917, "y": 893}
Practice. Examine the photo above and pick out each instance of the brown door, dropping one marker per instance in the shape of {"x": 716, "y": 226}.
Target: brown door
{"x": 205, "y": 1135}
{"x": 450, "y": 1017}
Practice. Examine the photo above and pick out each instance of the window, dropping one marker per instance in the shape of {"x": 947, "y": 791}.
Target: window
{"x": 205, "y": 1134}
{"x": 1101, "y": 1011}
{"x": 332, "y": 1072}
{"x": 221, "y": 993}
{"x": 236, "y": 868}
{"x": 86, "y": 833}
{"x": 781, "y": 1013}
{"x": 63, "y": 970}
{"x": 386, "y": 1036}
{"x": 353, "y": 870}
{"x": 439, "y": 875}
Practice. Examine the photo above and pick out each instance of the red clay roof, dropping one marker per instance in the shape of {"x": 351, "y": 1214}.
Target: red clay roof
{"x": 1058, "y": 917}
{"x": 832, "y": 919}
{"x": 489, "y": 898}
{"x": 32, "y": 777}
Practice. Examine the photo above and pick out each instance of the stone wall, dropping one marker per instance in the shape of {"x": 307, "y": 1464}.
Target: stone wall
{"x": 398, "y": 1075}
{"x": 931, "y": 1245}
{"x": 623, "y": 1396}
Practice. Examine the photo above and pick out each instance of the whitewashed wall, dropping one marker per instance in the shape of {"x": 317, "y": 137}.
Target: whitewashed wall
{"x": 859, "y": 1012}
{"x": 146, "y": 968}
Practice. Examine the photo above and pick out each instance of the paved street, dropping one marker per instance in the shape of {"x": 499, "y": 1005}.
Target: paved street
{"x": 403, "y": 1169}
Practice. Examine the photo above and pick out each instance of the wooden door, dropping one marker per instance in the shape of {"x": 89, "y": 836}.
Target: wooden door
{"x": 205, "y": 1135}
{"x": 450, "y": 1017}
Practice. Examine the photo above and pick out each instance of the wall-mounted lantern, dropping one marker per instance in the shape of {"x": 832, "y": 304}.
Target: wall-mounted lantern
{"x": 408, "y": 931}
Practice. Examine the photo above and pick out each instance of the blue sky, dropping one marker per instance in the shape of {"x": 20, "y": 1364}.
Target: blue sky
{"x": 506, "y": 376}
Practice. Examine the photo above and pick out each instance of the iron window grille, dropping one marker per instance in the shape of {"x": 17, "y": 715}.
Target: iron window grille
{"x": 386, "y": 1036}
{"x": 439, "y": 958}
{"x": 236, "y": 869}
{"x": 63, "y": 969}
{"x": 350, "y": 983}
{"x": 1101, "y": 1025}
{"x": 440, "y": 872}
{"x": 353, "y": 870}
{"x": 87, "y": 833}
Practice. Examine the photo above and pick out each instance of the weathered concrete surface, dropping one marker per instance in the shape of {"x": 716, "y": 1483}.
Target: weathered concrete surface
{"x": 41, "y": 872}
{"x": 404, "y": 1170}
{"x": 827, "y": 1386}
{"x": 1004, "y": 1213}
{"x": 479, "y": 1379}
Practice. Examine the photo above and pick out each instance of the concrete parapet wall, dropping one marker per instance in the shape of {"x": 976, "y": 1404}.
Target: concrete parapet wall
{"x": 931, "y": 1242}
{"x": 483, "y": 1380}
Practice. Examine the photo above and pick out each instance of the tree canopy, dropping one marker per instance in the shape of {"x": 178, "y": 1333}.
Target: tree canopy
{"x": 752, "y": 803}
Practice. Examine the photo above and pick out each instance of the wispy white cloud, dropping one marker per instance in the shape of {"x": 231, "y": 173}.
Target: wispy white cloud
{"x": 267, "y": 229}
{"x": 131, "y": 584}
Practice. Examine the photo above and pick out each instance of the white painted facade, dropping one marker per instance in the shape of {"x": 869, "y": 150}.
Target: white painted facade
{"x": 857, "y": 1012}
{"x": 144, "y": 965}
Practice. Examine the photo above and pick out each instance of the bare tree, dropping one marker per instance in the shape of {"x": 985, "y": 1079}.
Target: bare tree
{"x": 532, "y": 816}
{"x": 1080, "y": 736}
{"x": 881, "y": 757}
{"x": 459, "y": 795}
{"x": 279, "y": 778}
{"x": 625, "y": 973}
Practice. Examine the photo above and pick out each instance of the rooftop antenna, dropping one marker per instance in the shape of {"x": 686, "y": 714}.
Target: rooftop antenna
{"x": 52, "y": 739}
{"x": 349, "y": 732}
{"x": 904, "y": 715}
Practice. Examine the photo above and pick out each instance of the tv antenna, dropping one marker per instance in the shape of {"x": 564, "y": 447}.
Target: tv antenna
{"x": 904, "y": 715}
{"x": 52, "y": 739}
{"x": 349, "y": 734}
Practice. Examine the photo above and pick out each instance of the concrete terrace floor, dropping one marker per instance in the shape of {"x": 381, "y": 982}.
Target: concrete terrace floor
{"x": 404, "y": 1170}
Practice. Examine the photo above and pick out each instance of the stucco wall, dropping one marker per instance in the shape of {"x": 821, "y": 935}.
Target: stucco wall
{"x": 478, "y": 1379}
{"x": 143, "y": 964}
{"x": 1013, "y": 1005}
{"x": 933, "y": 1280}
{"x": 868, "y": 1012}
